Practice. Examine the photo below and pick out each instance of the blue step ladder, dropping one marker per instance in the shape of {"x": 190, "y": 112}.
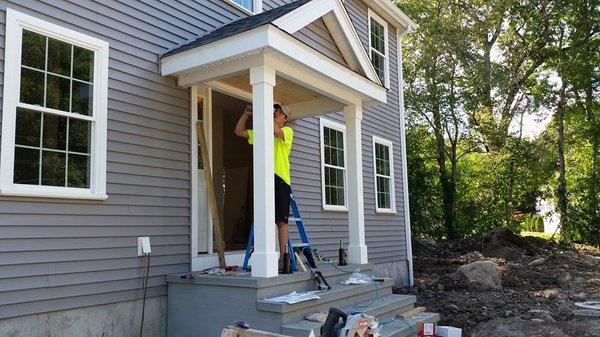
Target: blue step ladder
{"x": 304, "y": 246}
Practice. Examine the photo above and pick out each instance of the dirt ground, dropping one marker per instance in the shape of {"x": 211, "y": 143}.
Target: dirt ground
{"x": 550, "y": 286}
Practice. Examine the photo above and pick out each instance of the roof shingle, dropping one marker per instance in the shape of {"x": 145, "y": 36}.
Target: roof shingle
{"x": 238, "y": 26}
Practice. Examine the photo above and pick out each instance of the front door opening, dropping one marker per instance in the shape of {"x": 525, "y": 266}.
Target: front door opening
{"x": 232, "y": 171}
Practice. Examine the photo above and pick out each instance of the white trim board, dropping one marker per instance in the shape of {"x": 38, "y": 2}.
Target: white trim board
{"x": 390, "y": 145}
{"x": 326, "y": 123}
{"x": 15, "y": 23}
{"x": 408, "y": 233}
{"x": 392, "y": 14}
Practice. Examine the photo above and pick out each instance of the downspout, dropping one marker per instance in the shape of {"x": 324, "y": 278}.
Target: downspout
{"x": 409, "y": 256}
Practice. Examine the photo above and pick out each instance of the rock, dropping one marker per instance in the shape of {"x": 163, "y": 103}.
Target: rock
{"x": 558, "y": 297}
{"x": 537, "y": 262}
{"x": 543, "y": 315}
{"x": 587, "y": 312}
{"x": 537, "y": 320}
{"x": 579, "y": 297}
{"x": 564, "y": 278}
{"x": 594, "y": 282}
{"x": 483, "y": 273}
{"x": 440, "y": 287}
{"x": 452, "y": 308}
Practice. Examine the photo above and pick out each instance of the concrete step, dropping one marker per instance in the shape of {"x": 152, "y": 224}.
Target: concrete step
{"x": 301, "y": 281}
{"x": 400, "y": 327}
{"x": 382, "y": 308}
{"x": 339, "y": 296}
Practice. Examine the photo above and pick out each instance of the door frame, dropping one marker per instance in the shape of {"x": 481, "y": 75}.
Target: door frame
{"x": 202, "y": 261}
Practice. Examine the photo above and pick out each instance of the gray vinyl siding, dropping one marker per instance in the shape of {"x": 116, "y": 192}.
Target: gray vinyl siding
{"x": 385, "y": 233}
{"x": 270, "y": 4}
{"x": 60, "y": 254}
{"x": 317, "y": 36}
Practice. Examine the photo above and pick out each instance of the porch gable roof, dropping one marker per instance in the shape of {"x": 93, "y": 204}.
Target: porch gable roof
{"x": 292, "y": 17}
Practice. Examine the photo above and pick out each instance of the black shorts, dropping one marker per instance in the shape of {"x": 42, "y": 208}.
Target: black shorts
{"x": 282, "y": 200}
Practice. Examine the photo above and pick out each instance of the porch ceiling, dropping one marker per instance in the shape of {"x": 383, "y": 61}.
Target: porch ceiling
{"x": 285, "y": 91}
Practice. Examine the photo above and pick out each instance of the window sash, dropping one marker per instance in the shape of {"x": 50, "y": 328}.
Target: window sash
{"x": 383, "y": 172}
{"x": 379, "y": 39}
{"x": 334, "y": 194}
{"x": 247, "y": 4}
{"x": 16, "y": 24}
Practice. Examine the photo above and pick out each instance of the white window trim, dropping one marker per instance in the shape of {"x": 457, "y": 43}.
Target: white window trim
{"x": 15, "y": 22}
{"x": 323, "y": 122}
{"x": 386, "y": 44}
{"x": 390, "y": 145}
{"x": 256, "y": 6}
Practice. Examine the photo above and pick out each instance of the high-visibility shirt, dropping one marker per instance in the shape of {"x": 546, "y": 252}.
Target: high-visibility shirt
{"x": 282, "y": 149}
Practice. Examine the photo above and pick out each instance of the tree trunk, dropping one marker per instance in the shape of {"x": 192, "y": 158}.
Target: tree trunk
{"x": 447, "y": 186}
{"x": 562, "y": 184}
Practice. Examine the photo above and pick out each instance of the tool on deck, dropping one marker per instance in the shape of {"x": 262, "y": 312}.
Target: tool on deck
{"x": 212, "y": 199}
{"x": 319, "y": 279}
{"x": 340, "y": 324}
{"x": 305, "y": 246}
{"x": 342, "y": 256}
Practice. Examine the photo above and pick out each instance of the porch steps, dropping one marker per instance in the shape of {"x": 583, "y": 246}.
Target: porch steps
{"x": 383, "y": 308}
{"x": 222, "y": 300}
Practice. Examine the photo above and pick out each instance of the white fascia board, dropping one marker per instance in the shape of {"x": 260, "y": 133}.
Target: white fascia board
{"x": 392, "y": 14}
{"x": 306, "y": 55}
{"x": 305, "y": 14}
{"x": 247, "y": 43}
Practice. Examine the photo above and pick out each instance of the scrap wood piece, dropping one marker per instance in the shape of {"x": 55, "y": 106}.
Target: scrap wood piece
{"x": 412, "y": 312}
{"x": 234, "y": 331}
{"x": 214, "y": 210}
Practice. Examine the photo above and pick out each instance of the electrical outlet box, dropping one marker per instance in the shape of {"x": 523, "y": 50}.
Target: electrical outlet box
{"x": 143, "y": 247}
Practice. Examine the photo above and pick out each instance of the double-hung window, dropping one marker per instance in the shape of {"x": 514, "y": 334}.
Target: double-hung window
{"x": 333, "y": 165}
{"x": 383, "y": 167}
{"x": 378, "y": 47}
{"x": 54, "y": 111}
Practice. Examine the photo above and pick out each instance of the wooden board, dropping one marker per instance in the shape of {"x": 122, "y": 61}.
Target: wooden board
{"x": 232, "y": 331}
{"x": 212, "y": 198}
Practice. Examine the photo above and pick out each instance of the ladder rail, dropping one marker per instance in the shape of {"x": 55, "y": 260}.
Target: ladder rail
{"x": 301, "y": 231}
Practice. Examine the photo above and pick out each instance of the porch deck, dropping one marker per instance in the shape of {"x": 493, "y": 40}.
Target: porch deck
{"x": 203, "y": 305}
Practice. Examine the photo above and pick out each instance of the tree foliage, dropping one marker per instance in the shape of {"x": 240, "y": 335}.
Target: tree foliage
{"x": 473, "y": 69}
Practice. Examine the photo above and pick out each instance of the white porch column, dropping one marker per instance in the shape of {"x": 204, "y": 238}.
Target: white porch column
{"x": 357, "y": 249}
{"x": 262, "y": 79}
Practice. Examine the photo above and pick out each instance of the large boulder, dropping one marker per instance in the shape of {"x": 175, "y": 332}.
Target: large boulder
{"x": 483, "y": 273}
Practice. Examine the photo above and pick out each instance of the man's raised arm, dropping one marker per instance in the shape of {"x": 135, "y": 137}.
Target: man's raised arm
{"x": 240, "y": 126}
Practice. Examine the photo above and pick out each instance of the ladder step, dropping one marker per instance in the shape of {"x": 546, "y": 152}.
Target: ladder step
{"x": 298, "y": 245}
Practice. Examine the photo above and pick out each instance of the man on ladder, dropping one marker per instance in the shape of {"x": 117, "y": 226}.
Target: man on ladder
{"x": 284, "y": 136}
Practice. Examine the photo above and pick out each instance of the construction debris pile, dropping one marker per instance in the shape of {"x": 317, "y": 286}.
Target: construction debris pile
{"x": 501, "y": 284}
